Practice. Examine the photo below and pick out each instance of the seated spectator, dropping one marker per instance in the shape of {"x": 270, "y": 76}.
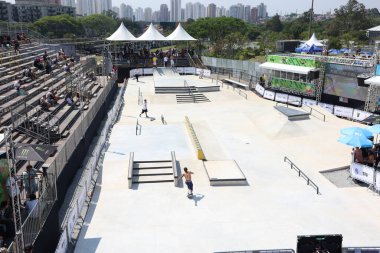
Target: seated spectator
{"x": 44, "y": 104}
{"x": 38, "y": 63}
{"x": 70, "y": 101}
{"x": 51, "y": 97}
{"x": 72, "y": 61}
{"x": 19, "y": 89}
{"x": 45, "y": 56}
{"x": 48, "y": 66}
{"x": 16, "y": 46}
{"x": 29, "y": 73}
{"x": 67, "y": 68}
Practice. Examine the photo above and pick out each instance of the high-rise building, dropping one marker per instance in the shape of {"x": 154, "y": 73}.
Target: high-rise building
{"x": 262, "y": 11}
{"x": 164, "y": 13}
{"x": 220, "y": 12}
{"x": 86, "y": 7}
{"x": 234, "y": 11}
{"x": 189, "y": 11}
{"x": 123, "y": 10}
{"x": 156, "y": 16}
{"x": 103, "y": 5}
{"x": 254, "y": 15}
{"x": 36, "y": 2}
{"x": 183, "y": 14}
{"x": 68, "y": 3}
{"x": 6, "y": 11}
{"x": 139, "y": 14}
{"x": 116, "y": 10}
{"x": 148, "y": 14}
{"x": 175, "y": 10}
{"x": 199, "y": 10}
{"x": 129, "y": 12}
{"x": 247, "y": 13}
{"x": 211, "y": 10}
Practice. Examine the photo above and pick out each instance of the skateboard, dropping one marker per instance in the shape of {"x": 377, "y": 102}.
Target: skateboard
{"x": 189, "y": 196}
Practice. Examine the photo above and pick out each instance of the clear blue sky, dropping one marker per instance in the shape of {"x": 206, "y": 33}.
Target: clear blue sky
{"x": 279, "y": 6}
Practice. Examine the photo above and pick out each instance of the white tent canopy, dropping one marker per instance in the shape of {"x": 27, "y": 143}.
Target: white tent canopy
{"x": 375, "y": 80}
{"x": 151, "y": 34}
{"x": 286, "y": 68}
{"x": 121, "y": 34}
{"x": 180, "y": 34}
{"x": 314, "y": 41}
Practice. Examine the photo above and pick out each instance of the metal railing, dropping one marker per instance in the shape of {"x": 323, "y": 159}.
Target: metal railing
{"x": 318, "y": 112}
{"x": 242, "y": 93}
{"x": 186, "y": 85}
{"x": 163, "y": 120}
{"x": 301, "y": 174}
{"x": 138, "y": 127}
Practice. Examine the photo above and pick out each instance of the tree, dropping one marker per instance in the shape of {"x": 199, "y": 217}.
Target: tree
{"x": 352, "y": 16}
{"x": 58, "y": 26}
{"x": 274, "y": 24}
{"x": 98, "y": 25}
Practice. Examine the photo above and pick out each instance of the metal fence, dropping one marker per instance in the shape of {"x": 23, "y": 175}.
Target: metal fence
{"x": 86, "y": 182}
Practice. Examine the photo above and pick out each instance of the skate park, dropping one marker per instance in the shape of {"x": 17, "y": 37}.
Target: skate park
{"x": 248, "y": 140}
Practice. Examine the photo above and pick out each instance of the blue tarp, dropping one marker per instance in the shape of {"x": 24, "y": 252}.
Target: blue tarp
{"x": 306, "y": 49}
{"x": 378, "y": 70}
{"x": 334, "y": 51}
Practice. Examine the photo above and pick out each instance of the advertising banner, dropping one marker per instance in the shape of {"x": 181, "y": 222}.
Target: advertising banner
{"x": 189, "y": 70}
{"x": 294, "y": 100}
{"x": 260, "y": 89}
{"x": 309, "y": 102}
{"x": 343, "y": 111}
{"x": 378, "y": 70}
{"x": 148, "y": 71}
{"x": 327, "y": 107}
{"x": 206, "y": 72}
{"x": 377, "y": 184}
{"x": 269, "y": 94}
{"x": 133, "y": 72}
{"x": 281, "y": 97}
{"x": 180, "y": 70}
{"x": 360, "y": 115}
{"x": 362, "y": 173}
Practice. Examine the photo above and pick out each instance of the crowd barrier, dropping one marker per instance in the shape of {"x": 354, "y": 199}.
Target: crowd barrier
{"x": 365, "y": 174}
{"x": 341, "y": 111}
{"x": 85, "y": 185}
{"x": 179, "y": 70}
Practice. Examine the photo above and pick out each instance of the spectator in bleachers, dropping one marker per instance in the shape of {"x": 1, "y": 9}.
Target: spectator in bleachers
{"x": 67, "y": 68}
{"x": 69, "y": 100}
{"x": 20, "y": 91}
{"x": 29, "y": 73}
{"x": 38, "y": 63}
{"x": 16, "y": 46}
{"x": 28, "y": 249}
{"x": 44, "y": 104}
{"x": 51, "y": 97}
{"x": 45, "y": 56}
{"x": 48, "y": 66}
{"x": 30, "y": 180}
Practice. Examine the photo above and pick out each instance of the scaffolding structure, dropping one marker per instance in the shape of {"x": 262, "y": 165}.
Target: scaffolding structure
{"x": 373, "y": 95}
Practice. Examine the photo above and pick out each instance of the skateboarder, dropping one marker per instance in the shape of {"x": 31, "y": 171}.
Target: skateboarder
{"x": 144, "y": 109}
{"x": 189, "y": 183}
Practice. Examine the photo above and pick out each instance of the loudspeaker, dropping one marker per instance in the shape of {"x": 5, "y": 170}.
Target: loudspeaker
{"x": 319, "y": 243}
{"x": 314, "y": 74}
{"x": 361, "y": 78}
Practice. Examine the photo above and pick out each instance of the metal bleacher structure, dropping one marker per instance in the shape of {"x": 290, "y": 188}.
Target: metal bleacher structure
{"x": 23, "y": 120}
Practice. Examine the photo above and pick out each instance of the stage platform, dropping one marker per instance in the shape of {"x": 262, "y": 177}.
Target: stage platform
{"x": 225, "y": 173}
{"x": 292, "y": 114}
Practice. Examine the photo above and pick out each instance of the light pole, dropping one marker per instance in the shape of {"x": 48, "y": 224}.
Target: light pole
{"x": 311, "y": 16}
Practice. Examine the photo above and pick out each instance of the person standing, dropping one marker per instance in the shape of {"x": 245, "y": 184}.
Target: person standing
{"x": 144, "y": 108}
{"x": 188, "y": 182}
{"x": 165, "y": 61}
{"x": 172, "y": 61}
{"x": 137, "y": 77}
{"x": 154, "y": 61}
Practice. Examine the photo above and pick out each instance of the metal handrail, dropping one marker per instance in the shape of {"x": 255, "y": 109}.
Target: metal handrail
{"x": 301, "y": 174}
{"x": 130, "y": 170}
{"x": 138, "y": 127}
{"x": 190, "y": 91}
{"x": 313, "y": 109}
{"x": 242, "y": 93}
{"x": 290, "y": 103}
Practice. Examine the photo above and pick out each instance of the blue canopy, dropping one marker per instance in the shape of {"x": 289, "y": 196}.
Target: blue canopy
{"x": 345, "y": 50}
{"x": 356, "y": 141}
{"x": 356, "y": 131}
{"x": 334, "y": 51}
{"x": 308, "y": 49}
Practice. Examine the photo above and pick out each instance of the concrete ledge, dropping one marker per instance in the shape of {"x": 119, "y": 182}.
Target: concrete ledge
{"x": 292, "y": 114}
{"x": 225, "y": 173}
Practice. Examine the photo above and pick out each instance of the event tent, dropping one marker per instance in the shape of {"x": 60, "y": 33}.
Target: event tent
{"x": 308, "y": 49}
{"x": 180, "y": 34}
{"x": 313, "y": 41}
{"x": 121, "y": 34}
{"x": 151, "y": 34}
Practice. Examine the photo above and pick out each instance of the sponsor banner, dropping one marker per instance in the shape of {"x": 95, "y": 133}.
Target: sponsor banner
{"x": 269, "y": 94}
{"x": 206, "y": 72}
{"x": 327, "y": 107}
{"x": 360, "y": 115}
{"x": 260, "y": 89}
{"x": 148, "y": 71}
{"x": 180, "y": 70}
{"x": 189, "y": 70}
{"x": 343, "y": 111}
{"x": 362, "y": 173}
{"x": 294, "y": 100}
{"x": 72, "y": 220}
{"x": 63, "y": 243}
{"x": 133, "y": 72}
{"x": 281, "y": 97}
{"x": 377, "y": 184}
{"x": 309, "y": 102}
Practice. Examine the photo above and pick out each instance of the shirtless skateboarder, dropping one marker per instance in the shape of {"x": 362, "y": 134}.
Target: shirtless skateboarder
{"x": 189, "y": 183}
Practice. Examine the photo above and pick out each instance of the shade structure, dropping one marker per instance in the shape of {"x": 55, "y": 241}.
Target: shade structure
{"x": 374, "y": 129}
{"x": 286, "y": 68}
{"x": 33, "y": 152}
{"x": 313, "y": 41}
{"x": 334, "y": 51}
{"x": 356, "y": 141}
{"x": 121, "y": 34}
{"x": 308, "y": 49}
{"x": 356, "y": 131}
{"x": 375, "y": 80}
{"x": 151, "y": 34}
{"x": 180, "y": 34}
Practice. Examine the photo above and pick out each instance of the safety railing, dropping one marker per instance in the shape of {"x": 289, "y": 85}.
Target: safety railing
{"x": 242, "y": 93}
{"x": 301, "y": 174}
{"x": 175, "y": 170}
{"x": 88, "y": 179}
{"x": 186, "y": 85}
{"x": 130, "y": 170}
{"x": 138, "y": 127}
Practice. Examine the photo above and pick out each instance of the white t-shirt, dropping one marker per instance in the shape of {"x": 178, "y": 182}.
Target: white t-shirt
{"x": 17, "y": 84}
{"x": 12, "y": 187}
{"x": 145, "y": 106}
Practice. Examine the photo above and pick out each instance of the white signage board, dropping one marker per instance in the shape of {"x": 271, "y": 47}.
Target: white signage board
{"x": 360, "y": 115}
{"x": 309, "y": 102}
{"x": 281, "y": 97}
{"x": 63, "y": 243}
{"x": 189, "y": 70}
{"x": 294, "y": 100}
{"x": 269, "y": 94}
{"x": 327, "y": 107}
{"x": 362, "y": 173}
{"x": 133, "y": 72}
{"x": 343, "y": 111}
{"x": 206, "y": 72}
{"x": 260, "y": 89}
{"x": 377, "y": 183}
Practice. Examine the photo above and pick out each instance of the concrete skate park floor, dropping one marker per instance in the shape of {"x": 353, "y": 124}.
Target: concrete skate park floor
{"x": 269, "y": 213}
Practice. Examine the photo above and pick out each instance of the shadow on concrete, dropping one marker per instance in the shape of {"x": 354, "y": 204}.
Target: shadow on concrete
{"x": 197, "y": 198}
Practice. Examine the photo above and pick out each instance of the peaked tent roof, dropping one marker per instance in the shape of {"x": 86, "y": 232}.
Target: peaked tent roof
{"x": 151, "y": 34}
{"x": 121, "y": 34}
{"x": 374, "y": 29}
{"x": 180, "y": 34}
{"x": 314, "y": 41}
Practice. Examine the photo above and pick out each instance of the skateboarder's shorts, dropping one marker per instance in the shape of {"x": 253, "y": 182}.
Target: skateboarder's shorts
{"x": 189, "y": 185}
{"x": 143, "y": 111}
